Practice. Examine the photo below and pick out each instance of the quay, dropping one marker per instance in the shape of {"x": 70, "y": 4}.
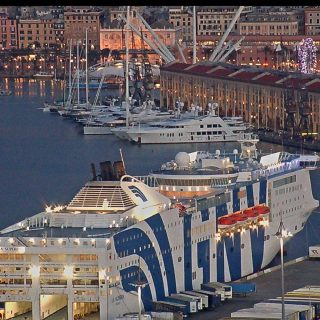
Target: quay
{"x": 297, "y": 273}
{"x": 278, "y": 138}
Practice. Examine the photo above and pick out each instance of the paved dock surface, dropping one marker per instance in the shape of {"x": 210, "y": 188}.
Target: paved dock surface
{"x": 268, "y": 286}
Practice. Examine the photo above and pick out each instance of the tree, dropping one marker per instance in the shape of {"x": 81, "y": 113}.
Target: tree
{"x": 105, "y": 52}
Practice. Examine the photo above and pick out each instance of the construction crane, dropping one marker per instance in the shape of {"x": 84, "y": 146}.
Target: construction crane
{"x": 291, "y": 110}
{"x": 304, "y": 112}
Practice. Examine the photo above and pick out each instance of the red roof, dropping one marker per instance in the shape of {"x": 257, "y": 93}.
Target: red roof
{"x": 177, "y": 66}
{"x": 314, "y": 86}
{"x": 199, "y": 69}
{"x": 220, "y": 72}
{"x": 269, "y": 79}
{"x": 295, "y": 82}
{"x": 245, "y": 75}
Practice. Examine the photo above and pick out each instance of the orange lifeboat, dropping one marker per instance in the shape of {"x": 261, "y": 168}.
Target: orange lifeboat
{"x": 262, "y": 210}
{"x": 251, "y": 213}
{"x": 225, "y": 222}
{"x": 239, "y": 217}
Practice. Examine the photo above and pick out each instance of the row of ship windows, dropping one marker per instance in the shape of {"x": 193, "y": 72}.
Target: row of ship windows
{"x": 288, "y": 201}
{"x": 281, "y": 182}
{"x": 209, "y": 133}
{"x": 211, "y": 126}
{"x": 199, "y": 133}
{"x": 287, "y": 211}
{"x": 290, "y": 189}
{"x": 162, "y": 252}
{"x": 165, "y": 251}
{"x": 157, "y": 229}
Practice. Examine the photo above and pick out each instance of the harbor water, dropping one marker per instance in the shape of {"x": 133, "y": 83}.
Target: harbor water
{"x": 45, "y": 159}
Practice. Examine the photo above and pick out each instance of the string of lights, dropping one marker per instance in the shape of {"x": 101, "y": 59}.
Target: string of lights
{"x": 307, "y": 57}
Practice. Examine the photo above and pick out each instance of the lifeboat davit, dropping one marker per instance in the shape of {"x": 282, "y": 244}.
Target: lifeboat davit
{"x": 226, "y": 222}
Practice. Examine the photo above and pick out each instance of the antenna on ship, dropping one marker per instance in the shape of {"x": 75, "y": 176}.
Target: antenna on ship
{"x": 124, "y": 167}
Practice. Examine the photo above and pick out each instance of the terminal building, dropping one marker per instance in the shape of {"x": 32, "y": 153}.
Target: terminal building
{"x": 259, "y": 95}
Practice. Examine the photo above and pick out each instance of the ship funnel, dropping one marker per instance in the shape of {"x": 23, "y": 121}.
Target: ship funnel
{"x": 106, "y": 171}
{"x": 118, "y": 169}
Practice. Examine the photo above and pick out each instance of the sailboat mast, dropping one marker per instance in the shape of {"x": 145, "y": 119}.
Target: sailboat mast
{"x": 127, "y": 67}
{"x": 87, "y": 90}
{"x": 70, "y": 67}
{"x": 194, "y": 26}
{"x": 78, "y": 73}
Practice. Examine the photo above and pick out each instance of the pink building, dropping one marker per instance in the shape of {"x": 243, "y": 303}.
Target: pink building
{"x": 8, "y": 32}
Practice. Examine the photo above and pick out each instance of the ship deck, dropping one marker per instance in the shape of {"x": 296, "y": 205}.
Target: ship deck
{"x": 268, "y": 286}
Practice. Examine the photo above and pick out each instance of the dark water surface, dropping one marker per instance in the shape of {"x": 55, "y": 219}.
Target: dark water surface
{"x": 45, "y": 159}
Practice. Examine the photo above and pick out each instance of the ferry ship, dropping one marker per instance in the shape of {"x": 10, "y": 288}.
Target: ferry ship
{"x": 201, "y": 218}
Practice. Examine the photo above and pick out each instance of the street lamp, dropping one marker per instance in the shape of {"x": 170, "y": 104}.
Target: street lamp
{"x": 107, "y": 283}
{"x": 281, "y": 234}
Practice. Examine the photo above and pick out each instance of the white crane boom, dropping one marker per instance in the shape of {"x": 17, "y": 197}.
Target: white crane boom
{"x": 150, "y": 43}
{"x": 223, "y": 50}
{"x": 181, "y": 53}
{"x": 160, "y": 44}
{"x": 225, "y": 35}
{"x": 234, "y": 47}
{"x": 194, "y": 26}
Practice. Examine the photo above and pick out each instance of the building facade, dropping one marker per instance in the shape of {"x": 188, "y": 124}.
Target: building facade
{"x": 215, "y": 20}
{"x": 256, "y": 95}
{"x": 181, "y": 18}
{"x": 312, "y": 21}
{"x": 8, "y": 32}
{"x": 36, "y": 32}
{"x": 76, "y": 21}
{"x": 115, "y": 38}
{"x": 272, "y": 23}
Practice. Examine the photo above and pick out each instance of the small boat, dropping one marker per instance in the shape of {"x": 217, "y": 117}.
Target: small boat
{"x": 239, "y": 217}
{"x": 5, "y": 92}
{"x": 262, "y": 210}
{"x": 251, "y": 213}
{"x": 42, "y": 75}
{"x": 226, "y": 222}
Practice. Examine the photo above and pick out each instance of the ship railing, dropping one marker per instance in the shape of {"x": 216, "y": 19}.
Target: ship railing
{"x": 150, "y": 181}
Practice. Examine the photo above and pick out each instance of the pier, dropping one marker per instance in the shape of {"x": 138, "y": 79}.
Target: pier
{"x": 298, "y": 273}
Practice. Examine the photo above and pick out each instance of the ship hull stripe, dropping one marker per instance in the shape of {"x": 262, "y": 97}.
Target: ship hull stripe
{"x": 148, "y": 253}
{"x": 163, "y": 242}
{"x": 233, "y": 250}
{"x": 205, "y": 214}
{"x": 187, "y": 252}
{"x": 203, "y": 249}
{"x": 128, "y": 280}
{"x": 235, "y": 200}
{"x": 263, "y": 192}
{"x": 257, "y": 245}
{"x": 250, "y": 198}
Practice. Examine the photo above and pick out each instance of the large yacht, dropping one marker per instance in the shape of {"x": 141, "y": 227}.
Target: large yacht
{"x": 203, "y": 128}
{"x": 201, "y": 218}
